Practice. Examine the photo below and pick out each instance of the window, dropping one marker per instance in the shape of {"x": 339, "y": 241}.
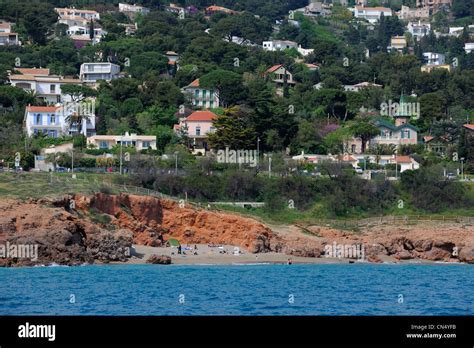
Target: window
{"x": 198, "y": 130}
{"x": 196, "y": 93}
{"x": 103, "y": 145}
{"x": 38, "y": 119}
{"x": 353, "y": 148}
{"x": 146, "y": 144}
{"x": 204, "y": 94}
{"x": 406, "y": 134}
{"x": 52, "y": 119}
{"x": 52, "y": 89}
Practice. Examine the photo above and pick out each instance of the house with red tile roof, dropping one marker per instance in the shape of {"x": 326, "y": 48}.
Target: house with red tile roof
{"x": 469, "y": 126}
{"x": 52, "y": 121}
{"x": 406, "y": 163}
{"x": 200, "y": 97}
{"x": 215, "y": 9}
{"x": 436, "y": 144}
{"x": 277, "y": 74}
{"x": 197, "y": 126}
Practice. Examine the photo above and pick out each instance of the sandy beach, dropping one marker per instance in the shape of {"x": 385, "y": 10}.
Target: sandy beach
{"x": 225, "y": 255}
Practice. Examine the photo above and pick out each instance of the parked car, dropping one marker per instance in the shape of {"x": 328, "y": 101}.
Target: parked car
{"x": 359, "y": 170}
{"x": 61, "y": 170}
{"x": 451, "y": 176}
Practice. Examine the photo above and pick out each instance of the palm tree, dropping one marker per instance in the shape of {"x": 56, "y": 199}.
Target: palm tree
{"x": 382, "y": 149}
{"x": 77, "y": 119}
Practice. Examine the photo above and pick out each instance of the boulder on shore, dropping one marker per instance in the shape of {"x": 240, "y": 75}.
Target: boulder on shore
{"x": 159, "y": 260}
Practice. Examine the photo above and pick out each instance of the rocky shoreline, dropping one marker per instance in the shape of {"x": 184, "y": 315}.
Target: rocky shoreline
{"x": 102, "y": 228}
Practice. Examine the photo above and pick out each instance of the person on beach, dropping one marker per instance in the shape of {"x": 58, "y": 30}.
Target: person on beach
{"x": 289, "y": 262}
{"x": 179, "y": 249}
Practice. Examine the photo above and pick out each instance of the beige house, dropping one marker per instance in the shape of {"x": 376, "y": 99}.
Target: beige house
{"x": 7, "y": 37}
{"x": 434, "y": 5}
{"x": 280, "y": 75}
{"x": 414, "y": 13}
{"x": 398, "y": 43}
{"x": 430, "y": 67}
{"x": 140, "y": 142}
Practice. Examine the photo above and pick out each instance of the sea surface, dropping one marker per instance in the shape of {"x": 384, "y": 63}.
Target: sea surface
{"x": 351, "y": 289}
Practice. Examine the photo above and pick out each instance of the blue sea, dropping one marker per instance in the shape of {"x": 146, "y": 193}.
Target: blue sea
{"x": 350, "y": 289}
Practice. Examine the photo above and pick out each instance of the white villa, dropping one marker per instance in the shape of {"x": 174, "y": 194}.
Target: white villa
{"x": 371, "y": 14}
{"x": 140, "y": 142}
{"x": 73, "y": 12}
{"x": 279, "y": 45}
{"x": 133, "y": 8}
{"x": 44, "y": 85}
{"x": 52, "y": 121}
{"x": 469, "y": 47}
{"x": 360, "y": 86}
{"x": 431, "y": 58}
{"x": 93, "y": 72}
{"x": 418, "y": 30}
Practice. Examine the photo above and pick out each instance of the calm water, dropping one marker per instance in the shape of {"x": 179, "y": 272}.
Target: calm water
{"x": 239, "y": 290}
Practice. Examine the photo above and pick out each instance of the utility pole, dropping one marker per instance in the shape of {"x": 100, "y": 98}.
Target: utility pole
{"x": 121, "y": 145}
{"x": 396, "y": 167}
{"x": 270, "y": 165}
{"x": 462, "y": 168}
{"x": 258, "y": 153}
{"x": 72, "y": 160}
{"x": 176, "y": 163}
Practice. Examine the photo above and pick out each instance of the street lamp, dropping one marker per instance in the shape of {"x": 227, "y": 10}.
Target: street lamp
{"x": 176, "y": 163}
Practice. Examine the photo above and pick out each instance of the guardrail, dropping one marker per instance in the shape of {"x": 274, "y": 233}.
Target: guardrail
{"x": 391, "y": 219}
{"x": 96, "y": 185}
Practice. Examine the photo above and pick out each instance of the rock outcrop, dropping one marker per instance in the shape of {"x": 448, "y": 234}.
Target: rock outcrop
{"x": 149, "y": 217}
{"x": 430, "y": 241}
{"x": 61, "y": 237}
{"x": 102, "y": 228}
